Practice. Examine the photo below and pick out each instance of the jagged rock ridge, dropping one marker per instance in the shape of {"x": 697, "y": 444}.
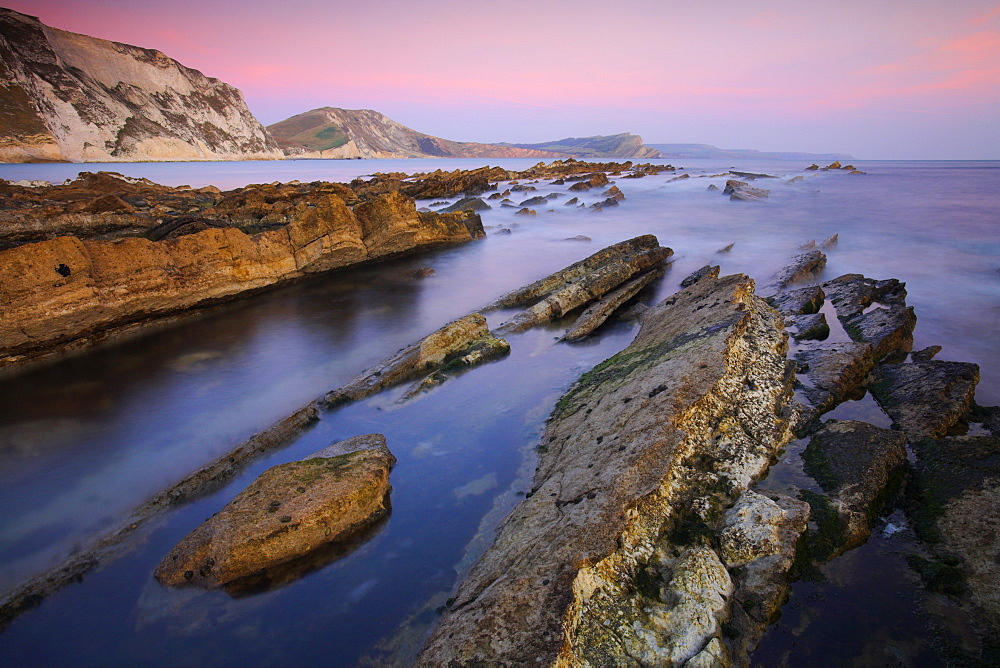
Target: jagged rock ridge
{"x": 65, "y": 96}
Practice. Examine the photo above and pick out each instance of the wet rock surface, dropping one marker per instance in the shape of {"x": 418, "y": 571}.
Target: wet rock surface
{"x": 925, "y": 399}
{"x": 289, "y": 511}
{"x": 859, "y": 467}
{"x": 801, "y": 268}
{"x": 607, "y": 558}
{"x": 952, "y": 501}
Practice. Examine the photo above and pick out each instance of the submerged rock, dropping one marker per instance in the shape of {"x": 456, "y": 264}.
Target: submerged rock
{"x": 467, "y": 204}
{"x": 925, "y": 399}
{"x": 607, "y": 560}
{"x": 289, "y": 511}
{"x": 859, "y": 467}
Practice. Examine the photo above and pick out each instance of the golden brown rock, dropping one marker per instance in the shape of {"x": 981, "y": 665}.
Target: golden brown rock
{"x": 66, "y": 288}
{"x": 289, "y": 511}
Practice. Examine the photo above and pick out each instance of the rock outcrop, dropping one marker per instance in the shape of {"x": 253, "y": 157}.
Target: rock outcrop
{"x": 71, "y": 290}
{"x": 289, "y": 511}
{"x": 608, "y": 560}
{"x": 73, "y": 97}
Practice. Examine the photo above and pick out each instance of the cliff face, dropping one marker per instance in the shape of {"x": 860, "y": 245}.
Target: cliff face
{"x": 65, "y": 96}
{"x": 330, "y": 132}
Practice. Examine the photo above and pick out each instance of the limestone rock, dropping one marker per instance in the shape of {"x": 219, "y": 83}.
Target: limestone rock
{"x": 858, "y": 466}
{"x": 808, "y": 327}
{"x": 85, "y": 99}
{"x": 467, "y": 204}
{"x": 698, "y": 274}
{"x": 582, "y": 186}
{"x": 925, "y": 355}
{"x": 801, "y": 301}
{"x": 534, "y": 201}
{"x": 556, "y": 281}
{"x": 924, "y": 399}
{"x": 851, "y": 294}
{"x": 835, "y": 372}
{"x": 289, "y": 511}
{"x": 577, "y": 290}
{"x": 888, "y": 329}
{"x": 433, "y": 351}
{"x": 758, "y": 544}
{"x": 67, "y": 289}
{"x": 638, "y": 458}
{"x": 597, "y": 314}
{"x": 802, "y": 267}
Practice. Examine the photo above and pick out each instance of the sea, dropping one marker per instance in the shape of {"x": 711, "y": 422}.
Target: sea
{"x": 87, "y": 438}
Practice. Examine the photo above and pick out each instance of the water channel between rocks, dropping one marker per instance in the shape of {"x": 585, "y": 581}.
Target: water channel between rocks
{"x": 87, "y": 439}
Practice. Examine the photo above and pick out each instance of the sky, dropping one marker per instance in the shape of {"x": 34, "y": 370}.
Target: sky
{"x": 879, "y": 79}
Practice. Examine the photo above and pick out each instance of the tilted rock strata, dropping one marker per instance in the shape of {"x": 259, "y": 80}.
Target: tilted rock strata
{"x": 603, "y": 558}
{"x": 65, "y": 289}
{"x": 454, "y": 340}
{"x": 79, "y": 98}
{"x": 289, "y": 511}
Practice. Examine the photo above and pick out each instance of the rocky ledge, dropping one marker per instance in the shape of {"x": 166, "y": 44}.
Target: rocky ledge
{"x": 136, "y": 251}
{"x": 609, "y": 560}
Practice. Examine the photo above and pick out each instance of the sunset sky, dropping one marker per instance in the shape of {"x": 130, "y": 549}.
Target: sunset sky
{"x": 898, "y": 79}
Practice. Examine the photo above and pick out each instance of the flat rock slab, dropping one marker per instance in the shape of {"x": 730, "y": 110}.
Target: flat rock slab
{"x": 808, "y": 327}
{"x": 858, "y": 466}
{"x": 925, "y": 399}
{"x": 888, "y": 329}
{"x": 801, "y": 301}
{"x": 835, "y": 371}
{"x": 851, "y": 294}
{"x": 601, "y": 561}
{"x": 289, "y": 511}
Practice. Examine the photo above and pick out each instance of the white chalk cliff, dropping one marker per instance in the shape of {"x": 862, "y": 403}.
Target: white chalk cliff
{"x": 65, "y": 96}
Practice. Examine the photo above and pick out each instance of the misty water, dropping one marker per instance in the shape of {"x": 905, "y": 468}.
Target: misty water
{"x": 86, "y": 439}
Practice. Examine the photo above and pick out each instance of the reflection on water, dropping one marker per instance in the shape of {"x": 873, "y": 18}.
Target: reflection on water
{"x": 86, "y": 439}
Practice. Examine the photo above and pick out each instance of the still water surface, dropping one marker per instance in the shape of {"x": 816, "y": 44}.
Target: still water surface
{"x": 85, "y": 440}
